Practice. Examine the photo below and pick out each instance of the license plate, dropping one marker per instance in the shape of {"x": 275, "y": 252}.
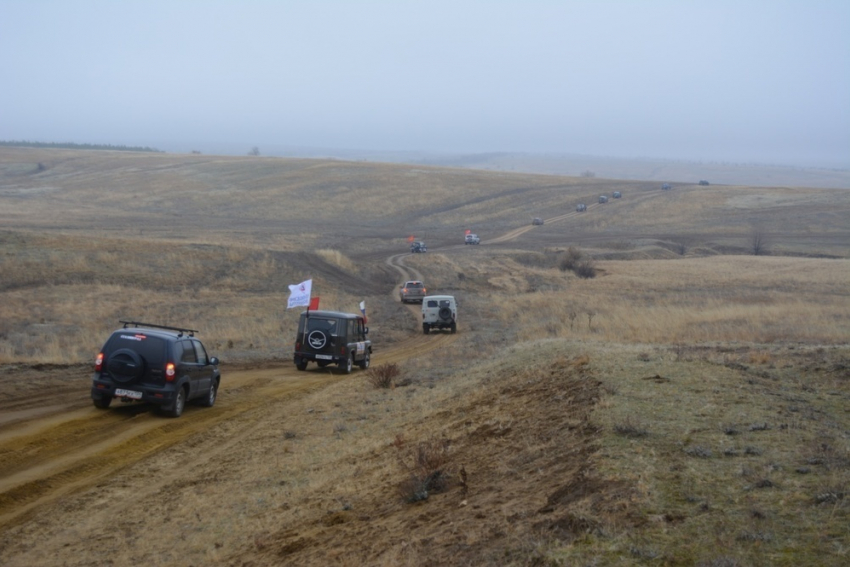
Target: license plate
{"x": 324, "y": 357}
{"x": 133, "y": 395}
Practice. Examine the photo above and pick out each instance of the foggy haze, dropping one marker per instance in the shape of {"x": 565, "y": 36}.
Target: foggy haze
{"x": 744, "y": 81}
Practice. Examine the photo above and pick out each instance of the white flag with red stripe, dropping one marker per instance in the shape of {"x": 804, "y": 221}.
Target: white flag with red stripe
{"x": 299, "y": 294}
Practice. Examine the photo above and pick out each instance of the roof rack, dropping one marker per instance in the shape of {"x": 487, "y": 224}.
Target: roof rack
{"x": 191, "y": 332}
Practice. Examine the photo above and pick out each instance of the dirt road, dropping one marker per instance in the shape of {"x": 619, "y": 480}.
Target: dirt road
{"x": 53, "y": 442}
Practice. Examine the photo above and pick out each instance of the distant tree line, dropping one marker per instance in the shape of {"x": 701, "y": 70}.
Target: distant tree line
{"x": 73, "y": 146}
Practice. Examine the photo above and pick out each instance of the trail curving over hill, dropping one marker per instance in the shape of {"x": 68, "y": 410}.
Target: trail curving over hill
{"x": 57, "y": 444}
{"x": 54, "y": 445}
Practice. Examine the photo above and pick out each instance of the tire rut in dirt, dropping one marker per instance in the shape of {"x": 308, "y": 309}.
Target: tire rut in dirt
{"x": 89, "y": 449}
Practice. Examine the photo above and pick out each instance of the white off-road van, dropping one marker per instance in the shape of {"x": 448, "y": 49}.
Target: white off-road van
{"x": 439, "y": 312}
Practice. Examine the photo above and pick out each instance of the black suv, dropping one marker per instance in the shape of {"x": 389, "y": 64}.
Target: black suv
{"x": 166, "y": 366}
{"x": 331, "y": 337}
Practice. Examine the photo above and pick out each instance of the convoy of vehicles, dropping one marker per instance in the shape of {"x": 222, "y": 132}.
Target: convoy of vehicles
{"x": 169, "y": 367}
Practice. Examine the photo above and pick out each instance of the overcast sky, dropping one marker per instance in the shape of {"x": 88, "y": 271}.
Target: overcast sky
{"x": 733, "y": 80}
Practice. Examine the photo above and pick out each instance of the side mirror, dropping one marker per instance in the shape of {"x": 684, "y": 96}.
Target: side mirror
{"x": 366, "y": 330}
{"x": 214, "y": 361}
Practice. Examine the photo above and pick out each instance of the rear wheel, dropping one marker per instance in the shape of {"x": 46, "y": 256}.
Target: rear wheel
{"x": 454, "y": 327}
{"x": 179, "y": 403}
{"x": 300, "y": 364}
{"x": 348, "y": 365}
{"x": 103, "y": 402}
{"x": 426, "y": 328}
{"x": 208, "y": 401}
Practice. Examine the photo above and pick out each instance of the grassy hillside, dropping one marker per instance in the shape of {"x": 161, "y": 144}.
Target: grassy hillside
{"x": 685, "y": 406}
{"x": 359, "y": 207}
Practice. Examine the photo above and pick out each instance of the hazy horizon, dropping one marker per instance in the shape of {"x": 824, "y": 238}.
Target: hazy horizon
{"x": 748, "y": 81}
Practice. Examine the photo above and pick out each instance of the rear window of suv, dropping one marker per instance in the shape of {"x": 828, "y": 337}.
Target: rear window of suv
{"x": 322, "y": 324}
{"x": 152, "y": 349}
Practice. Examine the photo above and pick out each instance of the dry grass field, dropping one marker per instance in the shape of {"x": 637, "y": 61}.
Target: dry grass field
{"x": 688, "y": 405}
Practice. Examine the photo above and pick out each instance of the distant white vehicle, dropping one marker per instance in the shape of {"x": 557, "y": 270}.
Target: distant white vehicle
{"x": 472, "y": 239}
{"x": 439, "y": 312}
{"x": 603, "y": 198}
{"x": 581, "y": 207}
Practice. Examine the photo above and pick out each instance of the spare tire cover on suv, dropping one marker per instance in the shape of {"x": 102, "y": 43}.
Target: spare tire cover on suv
{"x": 317, "y": 339}
{"x": 445, "y": 313}
{"x": 125, "y": 365}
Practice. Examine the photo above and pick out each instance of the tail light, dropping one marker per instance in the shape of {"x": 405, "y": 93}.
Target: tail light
{"x": 297, "y": 345}
{"x": 98, "y": 362}
{"x": 170, "y": 371}
{"x": 404, "y": 289}
{"x": 342, "y": 351}
{"x": 424, "y": 290}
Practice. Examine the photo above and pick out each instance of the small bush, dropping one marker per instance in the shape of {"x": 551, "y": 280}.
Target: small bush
{"x": 730, "y": 430}
{"x": 586, "y": 268}
{"x": 759, "y": 357}
{"x": 574, "y": 260}
{"x": 698, "y": 451}
{"x": 383, "y": 375}
{"x": 426, "y": 465}
{"x": 631, "y": 428}
{"x": 569, "y": 259}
